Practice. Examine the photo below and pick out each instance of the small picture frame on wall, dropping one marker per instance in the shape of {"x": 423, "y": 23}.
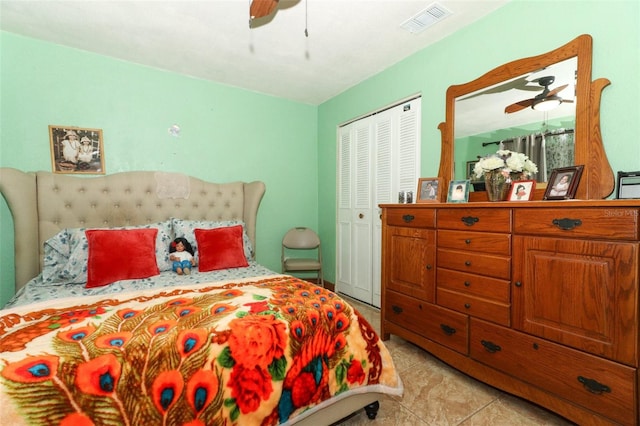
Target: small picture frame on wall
{"x": 563, "y": 183}
{"x": 76, "y": 150}
{"x": 522, "y": 190}
{"x": 458, "y": 191}
{"x": 429, "y": 190}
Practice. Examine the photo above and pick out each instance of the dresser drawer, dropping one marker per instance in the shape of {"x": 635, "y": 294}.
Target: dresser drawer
{"x": 478, "y": 285}
{"x": 475, "y": 263}
{"x": 559, "y": 370}
{"x": 419, "y": 218}
{"x": 491, "y": 220}
{"x": 484, "y": 242}
{"x": 609, "y": 223}
{"x": 448, "y": 328}
{"x": 478, "y": 307}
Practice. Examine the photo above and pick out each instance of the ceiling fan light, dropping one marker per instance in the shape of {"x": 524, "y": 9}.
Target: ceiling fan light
{"x": 547, "y": 104}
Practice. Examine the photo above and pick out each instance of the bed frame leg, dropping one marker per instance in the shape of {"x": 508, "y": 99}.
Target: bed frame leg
{"x": 372, "y": 410}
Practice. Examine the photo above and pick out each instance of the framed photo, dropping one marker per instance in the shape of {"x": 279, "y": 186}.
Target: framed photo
{"x": 522, "y": 190}
{"x": 628, "y": 185}
{"x": 76, "y": 150}
{"x": 563, "y": 183}
{"x": 458, "y": 191}
{"x": 429, "y": 190}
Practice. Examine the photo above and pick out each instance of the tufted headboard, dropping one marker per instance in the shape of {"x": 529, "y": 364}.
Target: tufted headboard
{"x": 43, "y": 203}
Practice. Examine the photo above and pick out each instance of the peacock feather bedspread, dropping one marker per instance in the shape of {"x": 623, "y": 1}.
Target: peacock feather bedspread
{"x": 261, "y": 351}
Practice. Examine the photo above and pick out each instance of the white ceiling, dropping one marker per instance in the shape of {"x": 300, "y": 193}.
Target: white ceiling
{"x": 349, "y": 40}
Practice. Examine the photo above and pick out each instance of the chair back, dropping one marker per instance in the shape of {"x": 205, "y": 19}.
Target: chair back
{"x": 301, "y": 238}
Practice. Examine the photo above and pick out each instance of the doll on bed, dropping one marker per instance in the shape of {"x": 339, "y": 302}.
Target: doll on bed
{"x": 181, "y": 254}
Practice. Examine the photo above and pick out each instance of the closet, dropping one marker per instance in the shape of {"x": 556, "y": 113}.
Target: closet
{"x": 378, "y": 156}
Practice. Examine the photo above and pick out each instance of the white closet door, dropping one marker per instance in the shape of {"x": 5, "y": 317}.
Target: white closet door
{"x": 343, "y": 230}
{"x": 383, "y": 190}
{"x": 377, "y": 156}
{"x": 361, "y": 285}
{"x": 407, "y": 166}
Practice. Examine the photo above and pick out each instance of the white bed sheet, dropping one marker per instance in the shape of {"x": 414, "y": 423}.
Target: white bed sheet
{"x": 36, "y": 291}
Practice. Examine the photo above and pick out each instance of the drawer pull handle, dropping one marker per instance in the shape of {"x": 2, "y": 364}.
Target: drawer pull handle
{"x": 467, "y": 263}
{"x": 408, "y": 218}
{"x": 429, "y": 267}
{"x": 567, "y": 224}
{"x": 593, "y": 386}
{"x": 469, "y": 220}
{"x": 467, "y": 305}
{"x": 467, "y": 241}
{"x": 490, "y": 346}
{"x": 396, "y": 309}
{"x": 518, "y": 284}
{"x": 467, "y": 284}
{"x": 448, "y": 330}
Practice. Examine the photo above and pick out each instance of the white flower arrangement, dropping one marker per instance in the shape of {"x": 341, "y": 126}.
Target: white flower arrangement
{"x": 506, "y": 161}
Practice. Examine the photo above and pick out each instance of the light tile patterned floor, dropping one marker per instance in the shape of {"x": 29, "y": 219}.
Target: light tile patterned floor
{"x": 436, "y": 394}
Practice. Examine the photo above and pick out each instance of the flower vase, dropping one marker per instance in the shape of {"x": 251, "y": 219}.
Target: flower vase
{"x": 498, "y": 182}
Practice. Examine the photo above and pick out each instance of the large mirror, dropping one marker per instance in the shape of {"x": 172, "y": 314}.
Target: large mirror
{"x": 504, "y": 109}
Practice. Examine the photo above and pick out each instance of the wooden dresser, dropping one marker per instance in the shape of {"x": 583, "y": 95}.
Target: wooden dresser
{"x": 539, "y": 299}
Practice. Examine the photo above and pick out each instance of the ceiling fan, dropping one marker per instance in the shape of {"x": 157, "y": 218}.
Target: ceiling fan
{"x": 262, "y": 8}
{"x": 520, "y": 83}
{"x": 544, "y": 101}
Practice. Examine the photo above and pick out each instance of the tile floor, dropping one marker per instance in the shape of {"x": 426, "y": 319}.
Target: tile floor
{"x": 436, "y": 394}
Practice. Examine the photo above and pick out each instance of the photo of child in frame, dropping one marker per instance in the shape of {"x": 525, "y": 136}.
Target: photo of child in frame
{"x": 428, "y": 190}
{"x": 522, "y": 190}
{"x": 563, "y": 183}
{"x": 458, "y": 191}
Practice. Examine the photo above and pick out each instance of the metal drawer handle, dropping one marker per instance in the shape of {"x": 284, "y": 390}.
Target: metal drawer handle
{"x": 469, "y": 220}
{"x": 467, "y": 263}
{"x": 594, "y": 386}
{"x": 490, "y": 346}
{"x": 447, "y": 329}
{"x": 396, "y": 309}
{"x": 408, "y": 218}
{"x": 567, "y": 224}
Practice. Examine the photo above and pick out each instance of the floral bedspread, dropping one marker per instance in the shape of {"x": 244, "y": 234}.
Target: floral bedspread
{"x": 248, "y": 352}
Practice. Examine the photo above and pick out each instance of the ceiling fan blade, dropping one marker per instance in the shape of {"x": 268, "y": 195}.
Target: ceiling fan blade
{"x": 518, "y": 106}
{"x": 557, "y": 90}
{"x": 519, "y": 84}
{"x": 262, "y": 8}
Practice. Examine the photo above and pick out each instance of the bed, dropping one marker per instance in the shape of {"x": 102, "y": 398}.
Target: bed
{"x": 93, "y": 337}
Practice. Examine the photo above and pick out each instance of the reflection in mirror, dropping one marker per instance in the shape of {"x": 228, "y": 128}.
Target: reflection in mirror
{"x": 482, "y": 125}
{"x": 501, "y": 106}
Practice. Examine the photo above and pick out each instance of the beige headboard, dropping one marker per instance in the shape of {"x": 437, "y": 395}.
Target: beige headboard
{"x": 43, "y": 203}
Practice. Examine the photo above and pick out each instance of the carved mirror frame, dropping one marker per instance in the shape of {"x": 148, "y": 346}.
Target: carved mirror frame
{"x": 597, "y": 180}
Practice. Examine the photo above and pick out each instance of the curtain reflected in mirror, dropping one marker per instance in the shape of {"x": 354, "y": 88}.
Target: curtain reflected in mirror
{"x": 548, "y": 150}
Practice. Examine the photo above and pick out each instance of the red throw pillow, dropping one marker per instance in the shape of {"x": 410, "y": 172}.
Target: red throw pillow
{"x": 124, "y": 254}
{"x": 220, "y": 248}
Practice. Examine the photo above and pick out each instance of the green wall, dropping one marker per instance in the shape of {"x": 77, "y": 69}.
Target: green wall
{"x": 519, "y": 29}
{"x": 228, "y": 134}
{"x": 291, "y": 146}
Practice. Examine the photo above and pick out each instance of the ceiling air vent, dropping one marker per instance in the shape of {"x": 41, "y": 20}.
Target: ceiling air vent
{"x": 424, "y": 19}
